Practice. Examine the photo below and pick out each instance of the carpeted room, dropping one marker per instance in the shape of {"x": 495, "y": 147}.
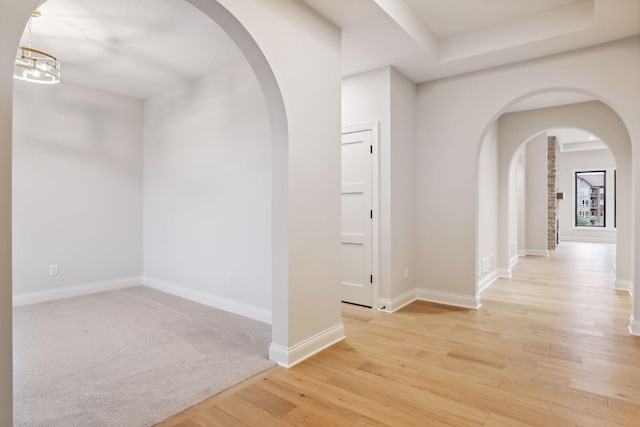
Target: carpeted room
{"x": 139, "y": 168}
{"x": 130, "y": 357}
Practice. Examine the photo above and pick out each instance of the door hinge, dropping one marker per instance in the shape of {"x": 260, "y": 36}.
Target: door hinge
{"x": 371, "y": 214}
{"x": 371, "y": 149}
{"x": 371, "y": 278}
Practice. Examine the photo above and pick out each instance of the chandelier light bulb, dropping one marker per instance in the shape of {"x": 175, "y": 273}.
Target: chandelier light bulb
{"x": 34, "y": 65}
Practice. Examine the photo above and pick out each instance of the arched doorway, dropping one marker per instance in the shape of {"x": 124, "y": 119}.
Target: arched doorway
{"x": 516, "y": 128}
{"x": 302, "y": 63}
{"x": 593, "y": 117}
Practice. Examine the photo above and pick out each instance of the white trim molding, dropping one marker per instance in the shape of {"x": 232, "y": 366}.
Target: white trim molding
{"x": 75, "y": 291}
{"x": 253, "y": 312}
{"x": 536, "y": 252}
{"x": 447, "y": 298}
{"x": 521, "y": 252}
{"x": 487, "y": 280}
{"x": 395, "y": 304}
{"x": 513, "y": 261}
{"x": 623, "y": 285}
{"x": 504, "y": 273}
{"x": 289, "y": 357}
{"x": 439, "y": 297}
{"x": 634, "y": 326}
{"x": 589, "y": 239}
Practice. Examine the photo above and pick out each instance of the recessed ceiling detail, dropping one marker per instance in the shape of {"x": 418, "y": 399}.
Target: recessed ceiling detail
{"x": 570, "y": 139}
{"x": 431, "y": 39}
{"x": 141, "y": 48}
{"x": 450, "y": 18}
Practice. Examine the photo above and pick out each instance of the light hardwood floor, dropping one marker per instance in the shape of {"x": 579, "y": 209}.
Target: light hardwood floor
{"x": 548, "y": 347}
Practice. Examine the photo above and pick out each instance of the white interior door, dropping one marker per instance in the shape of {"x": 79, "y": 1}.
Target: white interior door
{"x": 357, "y": 279}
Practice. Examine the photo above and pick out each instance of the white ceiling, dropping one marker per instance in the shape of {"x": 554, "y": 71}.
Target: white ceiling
{"x": 144, "y": 47}
{"x": 571, "y": 139}
{"x": 451, "y": 18}
{"x": 431, "y": 39}
{"x": 133, "y": 47}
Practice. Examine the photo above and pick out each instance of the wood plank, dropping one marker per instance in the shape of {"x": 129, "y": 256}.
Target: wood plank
{"x": 549, "y": 346}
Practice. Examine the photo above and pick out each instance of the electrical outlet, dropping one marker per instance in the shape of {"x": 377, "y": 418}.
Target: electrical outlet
{"x": 229, "y": 278}
{"x": 53, "y": 270}
{"x": 406, "y": 273}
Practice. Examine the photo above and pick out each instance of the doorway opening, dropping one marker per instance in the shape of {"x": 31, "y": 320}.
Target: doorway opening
{"x": 525, "y": 136}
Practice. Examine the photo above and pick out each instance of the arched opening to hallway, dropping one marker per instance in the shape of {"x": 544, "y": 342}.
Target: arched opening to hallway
{"x": 516, "y": 127}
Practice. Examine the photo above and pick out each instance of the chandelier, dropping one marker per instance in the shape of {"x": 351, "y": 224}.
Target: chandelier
{"x": 34, "y": 65}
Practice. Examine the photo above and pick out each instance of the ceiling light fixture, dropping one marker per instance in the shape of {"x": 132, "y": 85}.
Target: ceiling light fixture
{"x": 34, "y": 65}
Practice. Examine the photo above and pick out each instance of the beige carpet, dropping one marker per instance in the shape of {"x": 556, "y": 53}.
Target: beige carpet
{"x": 130, "y": 358}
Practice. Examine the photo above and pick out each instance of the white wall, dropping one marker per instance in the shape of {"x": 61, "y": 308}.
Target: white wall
{"x": 403, "y": 181}
{"x": 487, "y": 207}
{"x": 454, "y": 115}
{"x": 295, "y": 54}
{"x": 207, "y": 191}
{"x": 388, "y": 97}
{"x": 536, "y": 196}
{"x": 570, "y": 162}
{"x": 13, "y": 16}
{"x": 520, "y": 202}
{"x": 366, "y": 98}
{"x": 77, "y": 188}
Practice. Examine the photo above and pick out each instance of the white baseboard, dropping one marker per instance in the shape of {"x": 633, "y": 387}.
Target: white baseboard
{"x": 623, "y": 285}
{"x": 536, "y": 252}
{"x": 634, "y": 326}
{"x": 395, "y": 304}
{"x": 513, "y": 261}
{"x": 447, "y": 298}
{"x": 289, "y": 357}
{"x": 75, "y": 291}
{"x": 487, "y": 280}
{"x": 588, "y": 239}
{"x": 504, "y": 272}
{"x": 226, "y": 304}
{"x": 521, "y": 252}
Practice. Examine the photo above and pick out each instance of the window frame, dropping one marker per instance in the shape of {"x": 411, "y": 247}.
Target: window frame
{"x": 576, "y": 204}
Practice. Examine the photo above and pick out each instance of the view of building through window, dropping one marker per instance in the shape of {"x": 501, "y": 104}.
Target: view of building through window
{"x": 590, "y": 199}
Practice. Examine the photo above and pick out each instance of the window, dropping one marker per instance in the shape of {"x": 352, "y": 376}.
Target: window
{"x": 590, "y": 199}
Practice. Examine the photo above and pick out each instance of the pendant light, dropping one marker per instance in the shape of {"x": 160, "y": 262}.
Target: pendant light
{"x": 33, "y": 65}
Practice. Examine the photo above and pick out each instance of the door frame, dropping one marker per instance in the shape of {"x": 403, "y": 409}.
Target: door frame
{"x": 375, "y": 205}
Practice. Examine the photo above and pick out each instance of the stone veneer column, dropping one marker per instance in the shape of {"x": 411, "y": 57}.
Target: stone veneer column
{"x": 553, "y": 150}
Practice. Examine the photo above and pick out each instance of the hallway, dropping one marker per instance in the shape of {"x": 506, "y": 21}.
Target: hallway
{"x": 574, "y": 285}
